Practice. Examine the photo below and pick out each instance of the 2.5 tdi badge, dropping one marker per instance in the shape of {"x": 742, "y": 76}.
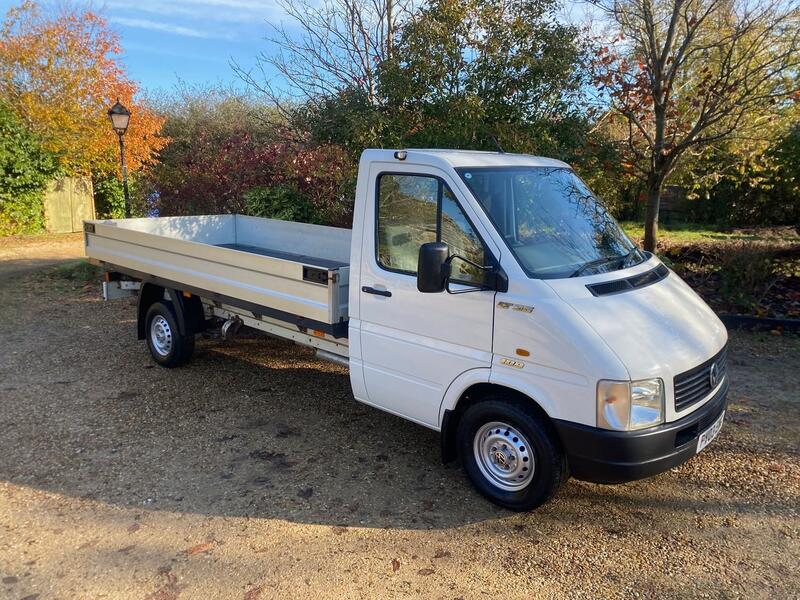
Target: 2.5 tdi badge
{"x": 512, "y": 363}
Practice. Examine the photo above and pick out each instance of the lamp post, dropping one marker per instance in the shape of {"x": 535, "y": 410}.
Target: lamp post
{"x": 120, "y": 116}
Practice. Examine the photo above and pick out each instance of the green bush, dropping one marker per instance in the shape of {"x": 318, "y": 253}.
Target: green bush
{"x": 25, "y": 171}
{"x": 109, "y": 200}
{"x": 280, "y": 201}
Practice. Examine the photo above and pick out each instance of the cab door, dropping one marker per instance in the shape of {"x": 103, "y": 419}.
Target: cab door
{"x": 413, "y": 344}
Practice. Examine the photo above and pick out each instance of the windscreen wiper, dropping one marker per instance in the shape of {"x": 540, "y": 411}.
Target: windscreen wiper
{"x": 604, "y": 261}
{"x": 628, "y": 256}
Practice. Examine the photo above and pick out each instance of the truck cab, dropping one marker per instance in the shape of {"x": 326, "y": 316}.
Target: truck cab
{"x": 493, "y": 298}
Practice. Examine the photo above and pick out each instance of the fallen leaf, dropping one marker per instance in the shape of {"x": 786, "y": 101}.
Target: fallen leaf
{"x": 199, "y": 548}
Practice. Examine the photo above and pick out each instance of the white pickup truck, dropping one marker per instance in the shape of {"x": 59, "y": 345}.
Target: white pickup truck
{"x": 488, "y": 296}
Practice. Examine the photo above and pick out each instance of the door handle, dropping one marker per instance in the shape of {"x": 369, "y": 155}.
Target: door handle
{"x": 372, "y": 290}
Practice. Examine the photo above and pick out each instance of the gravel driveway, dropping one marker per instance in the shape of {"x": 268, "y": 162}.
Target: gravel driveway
{"x": 252, "y": 473}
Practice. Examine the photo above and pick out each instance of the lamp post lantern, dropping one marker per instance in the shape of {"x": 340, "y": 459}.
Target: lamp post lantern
{"x": 120, "y": 116}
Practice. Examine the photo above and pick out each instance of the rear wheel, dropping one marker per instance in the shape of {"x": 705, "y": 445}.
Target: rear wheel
{"x": 167, "y": 346}
{"x": 511, "y": 456}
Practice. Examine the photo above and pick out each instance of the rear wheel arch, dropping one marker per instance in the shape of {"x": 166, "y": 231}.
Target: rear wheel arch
{"x": 188, "y": 310}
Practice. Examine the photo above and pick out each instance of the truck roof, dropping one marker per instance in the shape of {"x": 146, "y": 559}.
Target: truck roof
{"x": 462, "y": 158}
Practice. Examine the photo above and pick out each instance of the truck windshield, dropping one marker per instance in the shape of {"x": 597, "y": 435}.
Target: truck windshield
{"x": 551, "y": 221}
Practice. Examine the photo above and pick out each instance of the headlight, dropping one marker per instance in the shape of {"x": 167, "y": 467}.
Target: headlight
{"x": 647, "y": 403}
{"x": 628, "y": 405}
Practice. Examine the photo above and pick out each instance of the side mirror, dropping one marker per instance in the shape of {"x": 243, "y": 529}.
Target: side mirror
{"x": 433, "y": 268}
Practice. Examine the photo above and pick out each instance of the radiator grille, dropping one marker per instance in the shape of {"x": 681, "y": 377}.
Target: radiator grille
{"x": 697, "y": 383}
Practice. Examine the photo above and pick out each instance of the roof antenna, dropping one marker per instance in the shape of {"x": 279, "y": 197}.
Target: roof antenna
{"x": 496, "y": 143}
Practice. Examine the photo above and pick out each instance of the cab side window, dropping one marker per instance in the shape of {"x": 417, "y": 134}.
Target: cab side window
{"x": 415, "y": 209}
{"x": 407, "y": 208}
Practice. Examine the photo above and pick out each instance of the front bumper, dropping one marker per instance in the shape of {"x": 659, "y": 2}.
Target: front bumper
{"x": 604, "y": 456}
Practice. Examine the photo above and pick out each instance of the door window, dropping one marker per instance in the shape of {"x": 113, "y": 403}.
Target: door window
{"x": 407, "y": 209}
{"x": 417, "y": 209}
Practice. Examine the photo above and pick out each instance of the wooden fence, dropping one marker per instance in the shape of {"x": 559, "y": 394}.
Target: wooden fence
{"x": 68, "y": 202}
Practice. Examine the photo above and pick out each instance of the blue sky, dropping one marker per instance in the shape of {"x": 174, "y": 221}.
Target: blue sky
{"x": 193, "y": 41}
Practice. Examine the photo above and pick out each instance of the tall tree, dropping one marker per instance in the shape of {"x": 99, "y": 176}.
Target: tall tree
{"x": 683, "y": 74}
{"x": 60, "y": 74}
{"x": 464, "y": 69}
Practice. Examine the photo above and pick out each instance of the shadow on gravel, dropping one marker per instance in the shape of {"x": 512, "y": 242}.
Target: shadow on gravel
{"x": 224, "y": 436}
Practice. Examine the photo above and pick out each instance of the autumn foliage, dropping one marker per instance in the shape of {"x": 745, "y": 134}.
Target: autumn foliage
{"x": 60, "y": 74}
{"x": 213, "y": 172}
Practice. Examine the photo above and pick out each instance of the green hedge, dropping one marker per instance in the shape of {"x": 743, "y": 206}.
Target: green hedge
{"x": 25, "y": 171}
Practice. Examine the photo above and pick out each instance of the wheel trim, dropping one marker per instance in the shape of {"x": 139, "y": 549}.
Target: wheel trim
{"x": 161, "y": 336}
{"x": 503, "y": 456}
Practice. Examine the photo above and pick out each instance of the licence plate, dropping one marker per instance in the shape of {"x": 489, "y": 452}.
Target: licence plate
{"x": 709, "y": 434}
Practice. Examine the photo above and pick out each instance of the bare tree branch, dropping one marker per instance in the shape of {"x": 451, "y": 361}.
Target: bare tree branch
{"x": 329, "y": 47}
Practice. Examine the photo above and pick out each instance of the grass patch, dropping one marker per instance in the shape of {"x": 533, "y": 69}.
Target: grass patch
{"x": 687, "y": 233}
{"x": 77, "y": 271}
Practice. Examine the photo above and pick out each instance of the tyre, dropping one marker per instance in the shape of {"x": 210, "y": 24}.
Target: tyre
{"x": 167, "y": 346}
{"x": 510, "y": 454}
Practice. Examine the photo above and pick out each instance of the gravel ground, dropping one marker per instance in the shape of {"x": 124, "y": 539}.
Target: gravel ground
{"x": 252, "y": 473}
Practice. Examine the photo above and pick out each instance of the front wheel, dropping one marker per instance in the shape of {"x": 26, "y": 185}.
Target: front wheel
{"x": 511, "y": 456}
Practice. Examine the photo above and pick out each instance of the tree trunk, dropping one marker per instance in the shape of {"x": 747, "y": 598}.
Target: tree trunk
{"x": 654, "y": 185}
{"x": 389, "y": 28}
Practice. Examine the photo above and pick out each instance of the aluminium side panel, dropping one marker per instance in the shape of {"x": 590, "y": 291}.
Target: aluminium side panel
{"x": 263, "y": 280}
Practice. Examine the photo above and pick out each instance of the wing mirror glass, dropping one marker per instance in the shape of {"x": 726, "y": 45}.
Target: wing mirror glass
{"x": 433, "y": 267}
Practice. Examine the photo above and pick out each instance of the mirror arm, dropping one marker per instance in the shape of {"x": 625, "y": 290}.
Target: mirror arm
{"x": 469, "y": 262}
{"x": 484, "y": 268}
